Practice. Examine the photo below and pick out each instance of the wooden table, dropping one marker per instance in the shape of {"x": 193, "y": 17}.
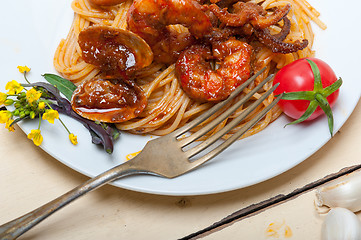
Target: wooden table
{"x": 29, "y": 177}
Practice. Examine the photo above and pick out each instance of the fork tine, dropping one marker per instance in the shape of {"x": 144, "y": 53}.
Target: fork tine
{"x": 236, "y": 135}
{"x": 184, "y": 142}
{"x": 195, "y": 150}
{"x": 216, "y": 107}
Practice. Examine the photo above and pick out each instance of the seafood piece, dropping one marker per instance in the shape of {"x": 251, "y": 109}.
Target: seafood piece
{"x": 286, "y": 29}
{"x": 252, "y": 19}
{"x": 276, "y": 44}
{"x": 106, "y": 2}
{"x": 150, "y": 19}
{"x": 249, "y": 13}
{"x": 224, "y": 3}
{"x": 108, "y": 100}
{"x": 114, "y": 51}
{"x": 201, "y": 82}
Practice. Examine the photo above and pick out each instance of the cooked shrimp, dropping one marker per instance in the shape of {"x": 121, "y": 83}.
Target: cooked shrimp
{"x": 150, "y": 20}
{"x": 201, "y": 82}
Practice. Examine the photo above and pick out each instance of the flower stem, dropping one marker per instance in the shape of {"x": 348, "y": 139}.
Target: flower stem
{"x": 39, "y": 122}
{"x": 64, "y": 125}
{"x": 26, "y": 79}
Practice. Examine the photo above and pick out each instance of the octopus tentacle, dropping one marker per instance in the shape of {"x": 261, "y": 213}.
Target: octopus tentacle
{"x": 285, "y": 30}
{"x": 251, "y": 18}
{"x": 262, "y": 22}
{"x": 235, "y": 19}
{"x": 249, "y": 13}
{"x": 277, "y": 45}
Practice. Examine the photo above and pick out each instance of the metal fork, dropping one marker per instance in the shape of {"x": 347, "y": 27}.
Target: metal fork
{"x": 164, "y": 156}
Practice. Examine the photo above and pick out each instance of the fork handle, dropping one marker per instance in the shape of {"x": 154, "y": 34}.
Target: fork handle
{"x": 18, "y": 226}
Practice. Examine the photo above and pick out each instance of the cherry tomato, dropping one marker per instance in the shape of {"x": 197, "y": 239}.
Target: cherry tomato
{"x": 298, "y": 76}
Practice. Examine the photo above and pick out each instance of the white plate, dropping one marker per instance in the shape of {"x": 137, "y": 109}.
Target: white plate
{"x": 32, "y": 29}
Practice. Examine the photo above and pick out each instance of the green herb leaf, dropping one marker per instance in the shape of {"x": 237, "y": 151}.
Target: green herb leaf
{"x": 332, "y": 88}
{"x": 311, "y": 108}
{"x": 65, "y": 86}
{"x": 304, "y": 95}
{"x": 317, "y": 76}
{"x": 18, "y": 120}
{"x": 323, "y": 103}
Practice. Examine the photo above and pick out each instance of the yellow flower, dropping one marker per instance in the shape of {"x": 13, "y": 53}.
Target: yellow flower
{"x": 36, "y": 136}
{"x": 23, "y": 69}
{"x": 3, "y": 98}
{"x": 14, "y": 87}
{"x": 5, "y": 115}
{"x": 32, "y": 95}
{"x": 9, "y": 126}
{"x": 41, "y": 105}
{"x": 50, "y": 115}
{"x": 73, "y": 139}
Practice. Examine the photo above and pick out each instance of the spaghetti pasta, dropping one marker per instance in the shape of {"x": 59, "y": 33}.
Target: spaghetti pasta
{"x": 168, "y": 106}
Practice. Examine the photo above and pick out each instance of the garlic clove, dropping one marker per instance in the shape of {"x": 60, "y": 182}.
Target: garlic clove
{"x": 344, "y": 192}
{"x": 341, "y": 224}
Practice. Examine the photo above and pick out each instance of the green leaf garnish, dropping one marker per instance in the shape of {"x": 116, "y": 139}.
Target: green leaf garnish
{"x": 311, "y": 108}
{"x": 316, "y": 75}
{"x": 325, "y": 106}
{"x": 65, "y": 86}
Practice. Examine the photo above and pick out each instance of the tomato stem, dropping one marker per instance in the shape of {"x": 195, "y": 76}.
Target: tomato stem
{"x": 316, "y": 76}
{"x": 332, "y": 88}
{"x": 325, "y": 106}
{"x": 311, "y": 108}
